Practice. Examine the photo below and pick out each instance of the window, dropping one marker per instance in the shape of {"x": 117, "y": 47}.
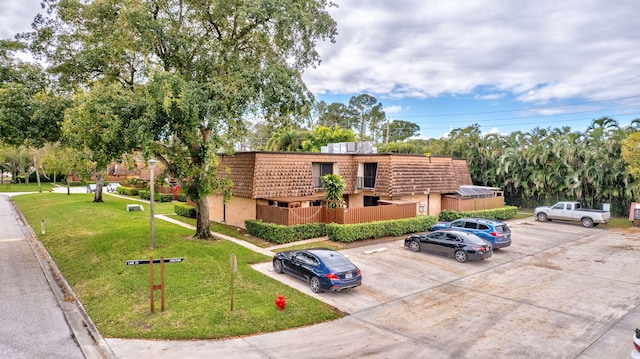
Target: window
{"x": 471, "y": 225}
{"x": 559, "y": 206}
{"x": 370, "y": 171}
{"x": 453, "y": 238}
{"x": 371, "y": 201}
{"x": 483, "y": 227}
{"x": 568, "y": 207}
{"x": 459, "y": 224}
{"x": 320, "y": 169}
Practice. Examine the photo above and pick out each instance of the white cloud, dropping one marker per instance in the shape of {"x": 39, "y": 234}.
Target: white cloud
{"x": 16, "y": 16}
{"x": 537, "y": 51}
{"x": 392, "y": 109}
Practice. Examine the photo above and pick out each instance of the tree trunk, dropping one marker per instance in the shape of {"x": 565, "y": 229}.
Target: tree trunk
{"x": 35, "y": 165}
{"x": 203, "y": 230}
{"x": 99, "y": 183}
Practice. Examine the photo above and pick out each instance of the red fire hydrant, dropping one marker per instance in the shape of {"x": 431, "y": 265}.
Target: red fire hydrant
{"x": 280, "y": 302}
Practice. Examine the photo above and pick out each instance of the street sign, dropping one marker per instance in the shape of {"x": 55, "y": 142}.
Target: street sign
{"x": 147, "y": 261}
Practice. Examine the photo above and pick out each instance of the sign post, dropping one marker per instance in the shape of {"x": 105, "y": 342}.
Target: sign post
{"x": 234, "y": 267}
{"x": 152, "y": 286}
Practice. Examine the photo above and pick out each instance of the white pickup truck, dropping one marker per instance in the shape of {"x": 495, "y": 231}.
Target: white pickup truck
{"x": 572, "y": 211}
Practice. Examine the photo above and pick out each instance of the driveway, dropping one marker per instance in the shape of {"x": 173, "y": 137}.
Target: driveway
{"x": 559, "y": 291}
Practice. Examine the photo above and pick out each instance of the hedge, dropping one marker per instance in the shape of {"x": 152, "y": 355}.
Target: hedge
{"x": 128, "y": 191}
{"x": 397, "y": 227}
{"x": 185, "y": 210}
{"x": 503, "y": 213}
{"x": 157, "y": 197}
{"x": 280, "y": 234}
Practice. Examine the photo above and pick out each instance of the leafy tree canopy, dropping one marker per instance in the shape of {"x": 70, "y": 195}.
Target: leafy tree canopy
{"x": 193, "y": 69}
{"x": 30, "y": 113}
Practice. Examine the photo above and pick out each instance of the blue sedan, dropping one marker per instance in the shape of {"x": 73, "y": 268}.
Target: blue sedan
{"x": 324, "y": 269}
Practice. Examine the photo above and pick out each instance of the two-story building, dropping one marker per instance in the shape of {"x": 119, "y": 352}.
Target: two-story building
{"x": 286, "y": 187}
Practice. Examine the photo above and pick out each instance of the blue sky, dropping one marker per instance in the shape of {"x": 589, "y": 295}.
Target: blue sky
{"x": 505, "y": 65}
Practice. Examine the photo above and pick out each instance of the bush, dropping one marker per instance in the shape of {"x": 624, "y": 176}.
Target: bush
{"x": 185, "y": 210}
{"x": 128, "y": 191}
{"x": 448, "y": 216}
{"x": 503, "y": 213}
{"x": 182, "y": 197}
{"x": 280, "y": 234}
{"x": 354, "y": 232}
{"x": 157, "y": 197}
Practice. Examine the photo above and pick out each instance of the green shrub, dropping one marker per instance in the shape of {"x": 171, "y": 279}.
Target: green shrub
{"x": 397, "y": 227}
{"x": 280, "y": 234}
{"x": 157, "y": 197}
{"x": 503, "y": 213}
{"x": 185, "y": 210}
{"x": 182, "y": 197}
{"x": 128, "y": 191}
{"x": 448, "y": 216}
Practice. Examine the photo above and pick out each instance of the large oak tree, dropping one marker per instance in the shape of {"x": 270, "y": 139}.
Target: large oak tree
{"x": 201, "y": 66}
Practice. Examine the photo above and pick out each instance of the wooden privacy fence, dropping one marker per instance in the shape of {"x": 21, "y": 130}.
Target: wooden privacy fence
{"x": 471, "y": 204}
{"x": 302, "y": 215}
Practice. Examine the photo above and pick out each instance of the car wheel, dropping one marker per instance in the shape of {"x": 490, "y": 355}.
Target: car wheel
{"x": 314, "y": 284}
{"x": 542, "y": 217}
{"x": 414, "y": 246}
{"x": 461, "y": 256}
{"x": 587, "y": 222}
{"x": 277, "y": 266}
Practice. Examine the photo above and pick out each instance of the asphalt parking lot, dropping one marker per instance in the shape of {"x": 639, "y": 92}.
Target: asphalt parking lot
{"x": 559, "y": 291}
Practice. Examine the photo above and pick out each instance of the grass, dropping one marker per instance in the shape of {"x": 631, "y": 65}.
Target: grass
{"x": 619, "y": 222}
{"x": 90, "y": 243}
{"x": 21, "y": 187}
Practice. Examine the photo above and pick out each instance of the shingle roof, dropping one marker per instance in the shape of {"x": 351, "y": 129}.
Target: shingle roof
{"x": 290, "y": 174}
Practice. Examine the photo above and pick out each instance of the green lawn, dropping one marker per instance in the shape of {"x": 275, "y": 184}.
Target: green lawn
{"x": 90, "y": 243}
{"x": 21, "y": 187}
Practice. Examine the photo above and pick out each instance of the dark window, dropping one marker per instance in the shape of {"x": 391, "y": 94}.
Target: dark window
{"x": 371, "y": 201}
{"x": 326, "y": 169}
{"x": 320, "y": 169}
{"x": 471, "y": 225}
{"x": 483, "y": 227}
{"x": 453, "y": 238}
{"x": 370, "y": 170}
